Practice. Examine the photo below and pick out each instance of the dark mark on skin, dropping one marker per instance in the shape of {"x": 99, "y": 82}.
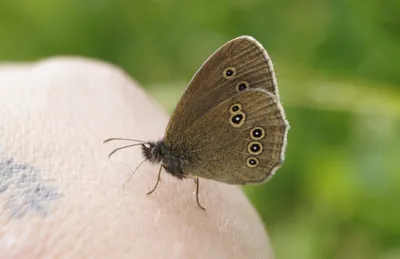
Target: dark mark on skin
{"x": 24, "y": 190}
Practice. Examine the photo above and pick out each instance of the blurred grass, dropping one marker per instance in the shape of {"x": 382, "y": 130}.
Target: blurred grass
{"x": 337, "y": 195}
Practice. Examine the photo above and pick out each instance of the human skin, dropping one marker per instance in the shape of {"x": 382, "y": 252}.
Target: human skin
{"x": 62, "y": 197}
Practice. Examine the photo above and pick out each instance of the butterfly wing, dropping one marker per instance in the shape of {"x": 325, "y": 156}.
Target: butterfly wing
{"x": 241, "y": 140}
{"x": 240, "y": 64}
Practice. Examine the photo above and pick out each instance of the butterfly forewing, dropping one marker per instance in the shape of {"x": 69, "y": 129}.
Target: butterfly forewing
{"x": 251, "y": 68}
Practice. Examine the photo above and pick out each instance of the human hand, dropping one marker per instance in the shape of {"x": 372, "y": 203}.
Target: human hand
{"x": 61, "y": 196}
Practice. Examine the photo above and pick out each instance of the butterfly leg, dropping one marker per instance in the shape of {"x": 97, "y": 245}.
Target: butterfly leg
{"x": 158, "y": 180}
{"x": 196, "y": 180}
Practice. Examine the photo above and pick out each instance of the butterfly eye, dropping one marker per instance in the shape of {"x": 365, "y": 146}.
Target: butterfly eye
{"x": 242, "y": 86}
{"x": 236, "y": 108}
{"x": 255, "y": 148}
{"x": 229, "y": 73}
{"x": 257, "y": 133}
{"x": 237, "y": 119}
{"x": 252, "y": 162}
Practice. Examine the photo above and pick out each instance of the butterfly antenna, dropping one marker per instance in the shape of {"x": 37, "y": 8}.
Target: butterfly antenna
{"x": 127, "y": 139}
{"x": 115, "y": 150}
{"x": 134, "y": 171}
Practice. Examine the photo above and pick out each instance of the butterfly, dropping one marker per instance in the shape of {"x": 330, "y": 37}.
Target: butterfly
{"x": 229, "y": 125}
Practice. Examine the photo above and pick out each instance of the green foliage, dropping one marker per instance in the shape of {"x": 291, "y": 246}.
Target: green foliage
{"x": 337, "y": 196}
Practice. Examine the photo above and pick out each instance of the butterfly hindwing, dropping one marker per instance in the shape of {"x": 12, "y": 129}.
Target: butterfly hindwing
{"x": 241, "y": 140}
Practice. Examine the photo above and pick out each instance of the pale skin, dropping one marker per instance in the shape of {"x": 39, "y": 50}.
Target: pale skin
{"x": 62, "y": 197}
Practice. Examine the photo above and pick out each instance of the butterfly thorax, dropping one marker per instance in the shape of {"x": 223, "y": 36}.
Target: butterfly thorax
{"x": 158, "y": 152}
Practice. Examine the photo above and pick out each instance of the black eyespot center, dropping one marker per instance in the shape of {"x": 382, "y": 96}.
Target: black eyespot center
{"x": 257, "y": 133}
{"x": 229, "y": 72}
{"x": 252, "y": 161}
{"x": 255, "y": 147}
{"x": 237, "y": 118}
{"x": 235, "y": 108}
{"x": 242, "y": 86}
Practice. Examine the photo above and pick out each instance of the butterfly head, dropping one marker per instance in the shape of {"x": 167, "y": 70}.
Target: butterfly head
{"x": 153, "y": 151}
{"x": 156, "y": 152}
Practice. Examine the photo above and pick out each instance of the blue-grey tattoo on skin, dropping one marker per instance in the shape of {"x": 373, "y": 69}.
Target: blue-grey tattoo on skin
{"x": 23, "y": 189}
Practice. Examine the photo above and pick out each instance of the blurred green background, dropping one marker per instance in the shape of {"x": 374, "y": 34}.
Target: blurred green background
{"x": 337, "y": 63}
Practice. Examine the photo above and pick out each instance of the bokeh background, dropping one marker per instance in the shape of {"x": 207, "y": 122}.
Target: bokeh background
{"x": 337, "y": 63}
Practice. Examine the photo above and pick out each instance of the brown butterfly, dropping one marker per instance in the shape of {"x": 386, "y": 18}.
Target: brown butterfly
{"x": 229, "y": 125}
